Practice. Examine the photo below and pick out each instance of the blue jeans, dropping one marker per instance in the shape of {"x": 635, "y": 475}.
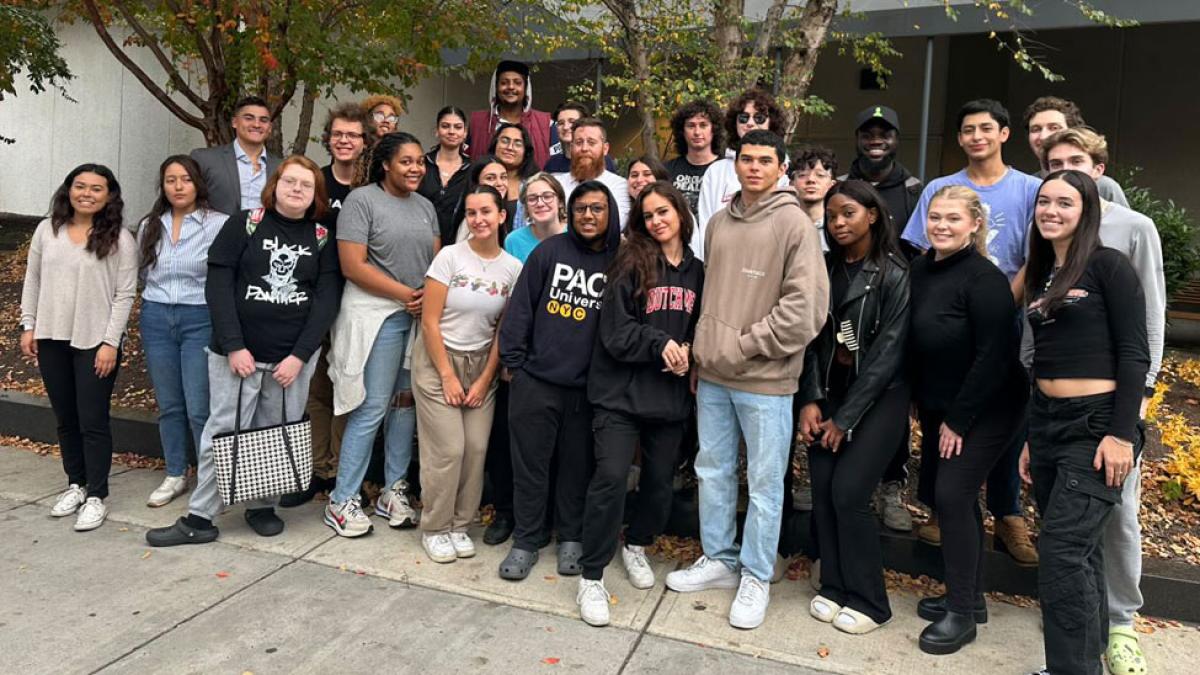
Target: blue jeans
{"x": 384, "y": 377}
{"x": 174, "y": 337}
{"x": 723, "y": 415}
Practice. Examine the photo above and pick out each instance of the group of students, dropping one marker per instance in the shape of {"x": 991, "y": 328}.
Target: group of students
{"x": 542, "y": 331}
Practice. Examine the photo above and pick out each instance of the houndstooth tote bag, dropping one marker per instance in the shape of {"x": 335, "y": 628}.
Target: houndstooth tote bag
{"x": 264, "y": 462}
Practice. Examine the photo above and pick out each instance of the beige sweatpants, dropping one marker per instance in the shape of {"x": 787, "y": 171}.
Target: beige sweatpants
{"x": 452, "y": 440}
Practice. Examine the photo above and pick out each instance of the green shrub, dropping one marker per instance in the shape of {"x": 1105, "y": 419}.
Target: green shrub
{"x": 1181, "y": 255}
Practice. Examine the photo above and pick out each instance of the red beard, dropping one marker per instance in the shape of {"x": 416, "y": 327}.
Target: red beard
{"x": 585, "y": 167}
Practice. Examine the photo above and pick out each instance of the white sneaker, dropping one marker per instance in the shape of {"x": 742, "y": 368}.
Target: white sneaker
{"x": 463, "y": 546}
{"x": 69, "y": 501}
{"x": 439, "y": 547}
{"x": 701, "y": 576}
{"x": 592, "y": 599}
{"x": 637, "y": 567}
{"x": 347, "y": 518}
{"x": 750, "y": 606}
{"x": 393, "y": 505}
{"x": 171, "y": 487}
{"x": 823, "y": 609}
{"x": 91, "y": 515}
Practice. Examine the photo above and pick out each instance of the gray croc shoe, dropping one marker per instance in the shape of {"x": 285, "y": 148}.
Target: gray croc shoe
{"x": 517, "y": 564}
{"x": 569, "y": 553}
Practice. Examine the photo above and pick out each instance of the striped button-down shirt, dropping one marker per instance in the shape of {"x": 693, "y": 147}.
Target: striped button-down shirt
{"x": 251, "y": 183}
{"x": 178, "y": 276}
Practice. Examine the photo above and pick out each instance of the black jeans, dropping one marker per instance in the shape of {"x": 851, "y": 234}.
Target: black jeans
{"x": 616, "y": 438}
{"x": 548, "y": 422}
{"x": 952, "y": 486}
{"x": 498, "y": 464}
{"x": 847, "y": 531}
{"x": 81, "y": 406}
{"x": 897, "y": 469}
{"x": 1075, "y": 504}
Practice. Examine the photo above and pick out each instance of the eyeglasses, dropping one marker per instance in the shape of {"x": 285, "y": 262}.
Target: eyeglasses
{"x": 545, "y": 197}
{"x": 290, "y": 182}
{"x": 759, "y": 118}
{"x": 510, "y": 142}
{"x": 380, "y": 117}
{"x": 582, "y": 209}
{"x": 348, "y": 135}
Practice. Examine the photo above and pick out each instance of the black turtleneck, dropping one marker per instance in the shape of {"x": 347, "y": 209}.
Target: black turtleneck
{"x": 963, "y": 339}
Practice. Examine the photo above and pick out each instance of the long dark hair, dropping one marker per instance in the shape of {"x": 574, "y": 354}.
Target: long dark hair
{"x": 106, "y": 224}
{"x": 1084, "y": 242}
{"x": 883, "y": 235}
{"x": 528, "y": 165}
{"x": 460, "y": 211}
{"x": 656, "y": 167}
{"x": 153, "y": 230}
{"x": 640, "y": 255}
{"x": 384, "y": 151}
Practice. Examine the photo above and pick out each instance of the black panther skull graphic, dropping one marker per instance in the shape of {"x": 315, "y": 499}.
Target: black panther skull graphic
{"x": 281, "y": 276}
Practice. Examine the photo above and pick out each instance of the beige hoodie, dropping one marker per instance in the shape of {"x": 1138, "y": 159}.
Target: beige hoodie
{"x": 766, "y": 295}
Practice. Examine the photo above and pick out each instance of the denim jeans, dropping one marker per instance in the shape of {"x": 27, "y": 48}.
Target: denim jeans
{"x": 384, "y": 377}
{"x": 724, "y": 415}
{"x": 174, "y": 337}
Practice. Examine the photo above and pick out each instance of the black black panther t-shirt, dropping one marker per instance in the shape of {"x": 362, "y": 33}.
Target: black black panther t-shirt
{"x": 686, "y": 177}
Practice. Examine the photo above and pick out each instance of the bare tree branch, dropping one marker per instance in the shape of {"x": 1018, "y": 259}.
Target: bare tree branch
{"x": 766, "y": 30}
{"x": 812, "y": 27}
{"x": 151, "y": 43}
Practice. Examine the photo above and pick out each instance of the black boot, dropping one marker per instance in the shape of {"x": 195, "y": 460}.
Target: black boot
{"x": 316, "y": 486}
{"x": 933, "y": 609}
{"x": 499, "y": 530}
{"x": 948, "y": 634}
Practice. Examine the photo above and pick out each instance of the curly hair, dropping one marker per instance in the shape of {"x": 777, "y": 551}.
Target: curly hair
{"x": 689, "y": 110}
{"x": 105, "y": 235}
{"x": 762, "y": 102}
{"x": 384, "y": 151}
{"x": 371, "y": 101}
{"x": 350, "y": 112}
{"x": 1069, "y": 110}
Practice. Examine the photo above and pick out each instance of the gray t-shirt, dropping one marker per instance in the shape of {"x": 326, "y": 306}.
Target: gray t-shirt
{"x": 398, "y": 231}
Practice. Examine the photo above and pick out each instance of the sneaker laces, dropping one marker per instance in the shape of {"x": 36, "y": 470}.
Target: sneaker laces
{"x": 353, "y": 509}
{"x": 443, "y": 539}
{"x": 89, "y": 509}
{"x": 638, "y": 556}
{"x": 750, "y": 590}
{"x": 595, "y": 590}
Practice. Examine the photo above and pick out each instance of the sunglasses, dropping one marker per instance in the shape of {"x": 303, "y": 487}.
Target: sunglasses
{"x": 759, "y": 118}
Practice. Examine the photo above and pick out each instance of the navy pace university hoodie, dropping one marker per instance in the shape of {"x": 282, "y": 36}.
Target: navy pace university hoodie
{"x": 627, "y": 367}
{"x": 549, "y": 324}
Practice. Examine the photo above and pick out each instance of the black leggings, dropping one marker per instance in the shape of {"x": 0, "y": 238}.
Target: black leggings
{"x": 951, "y": 487}
{"x": 81, "y": 406}
{"x": 842, "y": 482}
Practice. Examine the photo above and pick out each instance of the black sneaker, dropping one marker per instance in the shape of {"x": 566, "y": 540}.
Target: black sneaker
{"x": 315, "y": 487}
{"x": 264, "y": 522}
{"x": 500, "y": 529}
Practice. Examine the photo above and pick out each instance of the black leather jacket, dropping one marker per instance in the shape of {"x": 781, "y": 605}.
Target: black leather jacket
{"x": 876, "y": 309}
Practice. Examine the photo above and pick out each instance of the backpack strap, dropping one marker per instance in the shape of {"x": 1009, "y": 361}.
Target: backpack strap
{"x": 252, "y": 221}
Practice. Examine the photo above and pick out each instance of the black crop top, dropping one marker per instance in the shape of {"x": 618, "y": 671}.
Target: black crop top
{"x": 1098, "y": 332}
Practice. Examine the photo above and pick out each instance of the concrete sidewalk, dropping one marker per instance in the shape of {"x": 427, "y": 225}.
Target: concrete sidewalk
{"x": 308, "y": 601}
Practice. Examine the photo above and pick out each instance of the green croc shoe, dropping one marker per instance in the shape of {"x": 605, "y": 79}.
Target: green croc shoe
{"x": 1124, "y": 655}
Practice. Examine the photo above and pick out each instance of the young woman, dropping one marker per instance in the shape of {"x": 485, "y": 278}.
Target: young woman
{"x": 643, "y": 171}
{"x": 272, "y": 289}
{"x": 80, "y": 284}
{"x": 1089, "y": 364}
{"x": 454, "y": 374}
{"x": 856, "y": 403}
{"x": 490, "y": 171}
{"x": 545, "y": 211}
{"x": 387, "y": 236}
{"x": 639, "y": 386}
{"x": 511, "y": 145}
{"x": 385, "y": 111}
{"x": 446, "y": 167}
{"x": 174, "y": 239}
{"x": 969, "y": 390}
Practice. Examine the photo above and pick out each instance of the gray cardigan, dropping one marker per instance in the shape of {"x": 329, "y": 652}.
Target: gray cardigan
{"x": 72, "y": 295}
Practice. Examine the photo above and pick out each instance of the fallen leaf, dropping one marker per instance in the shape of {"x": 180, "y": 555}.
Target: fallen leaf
{"x": 823, "y": 652}
{"x": 612, "y": 599}
{"x": 550, "y": 661}
{"x": 222, "y": 575}
{"x": 146, "y": 555}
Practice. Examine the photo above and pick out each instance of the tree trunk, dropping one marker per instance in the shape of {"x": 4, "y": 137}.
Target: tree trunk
{"x": 625, "y": 11}
{"x": 304, "y": 124}
{"x": 727, "y": 32}
{"x": 812, "y": 28}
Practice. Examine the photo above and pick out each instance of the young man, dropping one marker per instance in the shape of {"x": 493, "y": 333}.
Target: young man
{"x": 348, "y": 132}
{"x": 1134, "y": 235}
{"x": 510, "y": 99}
{"x": 1047, "y": 116}
{"x": 877, "y": 139}
{"x": 698, "y": 136}
{"x": 237, "y": 173}
{"x": 754, "y": 109}
{"x": 565, "y": 117}
{"x": 766, "y": 296}
{"x": 589, "y": 148}
{"x": 1008, "y": 195}
{"x": 812, "y": 175}
{"x": 546, "y": 342}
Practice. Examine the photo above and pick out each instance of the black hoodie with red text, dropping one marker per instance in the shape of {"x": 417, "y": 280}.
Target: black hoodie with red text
{"x": 549, "y": 324}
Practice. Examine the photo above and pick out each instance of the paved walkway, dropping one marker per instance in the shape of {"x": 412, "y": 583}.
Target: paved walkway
{"x": 307, "y": 601}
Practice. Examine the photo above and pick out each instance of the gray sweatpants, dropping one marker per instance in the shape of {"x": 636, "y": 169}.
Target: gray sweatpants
{"x": 1123, "y": 553}
{"x": 261, "y": 406}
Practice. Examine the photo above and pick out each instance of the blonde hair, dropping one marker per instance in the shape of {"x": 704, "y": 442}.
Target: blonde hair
{"x": 550, "y": 180}
{"x": 974, "y": 206}
{"x": 1087, "y": 140}
{"x": 370, "y": 102}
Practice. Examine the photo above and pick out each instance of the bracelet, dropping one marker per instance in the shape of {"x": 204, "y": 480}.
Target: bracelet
{"x": 1121, "y": 441}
